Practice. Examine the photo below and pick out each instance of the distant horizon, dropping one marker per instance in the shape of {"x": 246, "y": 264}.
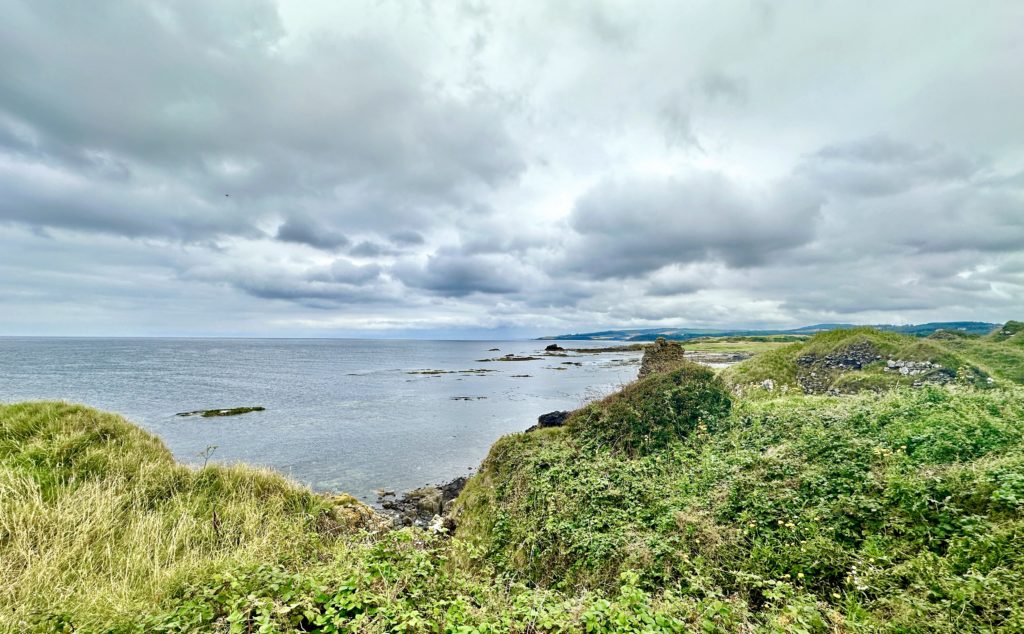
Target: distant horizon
{"x": 509, "y": 337}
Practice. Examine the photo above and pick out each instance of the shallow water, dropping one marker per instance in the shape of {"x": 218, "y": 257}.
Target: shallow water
{"x": 342, "y": 415}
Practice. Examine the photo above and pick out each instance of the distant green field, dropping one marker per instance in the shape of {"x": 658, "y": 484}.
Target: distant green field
{"x": 751, "y": 345}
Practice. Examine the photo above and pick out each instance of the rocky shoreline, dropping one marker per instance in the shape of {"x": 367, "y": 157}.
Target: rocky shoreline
{"x": 430, "y": 506}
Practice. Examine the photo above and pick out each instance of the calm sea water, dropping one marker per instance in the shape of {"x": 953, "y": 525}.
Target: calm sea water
{"x": 342, "y": 415}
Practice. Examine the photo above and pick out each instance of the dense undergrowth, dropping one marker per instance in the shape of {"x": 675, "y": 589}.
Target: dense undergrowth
{"x": 672, "y": 506}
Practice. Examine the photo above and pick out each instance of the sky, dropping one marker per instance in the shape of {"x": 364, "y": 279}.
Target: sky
{"x": 469, "y": 169}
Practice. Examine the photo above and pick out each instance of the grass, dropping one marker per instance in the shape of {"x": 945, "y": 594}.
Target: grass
{"x": 999, "y": 354}
{"x": 749, "y": 345}
{"x": 97, "y": 521}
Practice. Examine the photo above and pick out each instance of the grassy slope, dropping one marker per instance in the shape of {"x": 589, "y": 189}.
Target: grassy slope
{"x": 98, "y": 522}
{"x": 851, "y": 513}
{"x": 1000, "y": 353}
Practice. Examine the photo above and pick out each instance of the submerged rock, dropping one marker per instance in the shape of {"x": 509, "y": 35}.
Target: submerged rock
{"x": 509, "y": 357}
{"x": 232, "y": 411}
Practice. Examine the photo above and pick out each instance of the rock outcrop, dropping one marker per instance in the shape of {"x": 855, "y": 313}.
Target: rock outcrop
{"x": 551, "y": 419}
{"x": 426, "y": 506}
{"x": 662, "y": 356}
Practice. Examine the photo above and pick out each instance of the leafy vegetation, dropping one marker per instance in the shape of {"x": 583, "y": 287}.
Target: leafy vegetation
{"x": 855, "y": 512}
{"x": 672, "y": 506}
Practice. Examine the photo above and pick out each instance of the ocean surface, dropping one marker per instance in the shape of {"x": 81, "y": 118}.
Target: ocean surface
{"x": 341, "y": 415}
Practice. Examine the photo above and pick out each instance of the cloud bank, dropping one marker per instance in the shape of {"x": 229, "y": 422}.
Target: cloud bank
{"x": 461, "y": 169}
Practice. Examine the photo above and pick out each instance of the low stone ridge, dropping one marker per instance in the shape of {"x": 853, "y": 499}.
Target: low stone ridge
{"x": 427, "y": 506}
{"x": 232, "y": 411}
{"x": 662, "y": 356}
{"x": 817, "y": 374}
{"x": 551, "y": 419}
{"x": 724, "y": 358}
{"x": 437, "y": 372}
{"x": 910, "y": 368}
{"x": 852, "y": 357}
{"x": 509, "y": 357}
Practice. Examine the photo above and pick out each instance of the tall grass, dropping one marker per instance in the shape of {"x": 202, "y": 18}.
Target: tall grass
{"x": 97, "y": 521}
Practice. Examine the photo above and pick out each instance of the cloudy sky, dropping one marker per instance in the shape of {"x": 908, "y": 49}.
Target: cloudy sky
{"x": 474, "y": 169}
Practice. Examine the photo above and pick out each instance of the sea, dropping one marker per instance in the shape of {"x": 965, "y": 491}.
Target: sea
{"x": 342, "y": 415}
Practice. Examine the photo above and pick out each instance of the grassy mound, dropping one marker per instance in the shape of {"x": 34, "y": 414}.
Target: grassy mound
{"x": 651, "y": 413}
{"x": 852, "y": 360}
{"x": 97, "y": 521}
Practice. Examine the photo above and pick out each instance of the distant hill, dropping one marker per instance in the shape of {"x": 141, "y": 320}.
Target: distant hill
{"x": 682, "y": 334}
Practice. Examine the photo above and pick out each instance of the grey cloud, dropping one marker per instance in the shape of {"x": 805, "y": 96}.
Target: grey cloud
{"x": 629, "y": 228}
{"x": 40, "y": 197}
{"x": 338, "y": 284}
{"x": 206, "y": 99}
{"x": 343, "y": 271}
{"x": 309, "y": 293}
{"x": 719, "y": 87}
{"x": 406, "y": 237}
{"x": 880, "y": 166}
{"x": 370, "y": 249}
{"x": 309, "y": 232}
{"x": 457, "y": 275}
{"x": 671, "y": 282}
{"x": 669, "y": 288}
{"x": 886, "y": 195}
{"x": 505, "y": 163}
{"x": 678, "y": 127}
